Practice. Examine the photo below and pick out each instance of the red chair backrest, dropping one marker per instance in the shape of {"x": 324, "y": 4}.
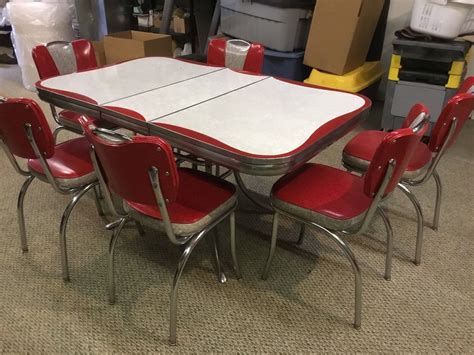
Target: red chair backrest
{"x": 458, "y": 107}
{"x": 216, "y": 55}
{"x": 413, "y": 117}
{"x": 398, "y": 145}
{"x": 59, "y": 58}
{"x": 125, "y": 165}
{"x": 14, "y": 115}
{"x": 467, "y": 86}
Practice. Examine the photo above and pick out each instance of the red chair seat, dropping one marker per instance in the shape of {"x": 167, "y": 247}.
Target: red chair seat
{"x": 330, "y": 197}
{"x": 201, "y": 198}
{"x": 70, "y": 164}
{"x": 360, "y": 150}
{"x": 70, "y": 119}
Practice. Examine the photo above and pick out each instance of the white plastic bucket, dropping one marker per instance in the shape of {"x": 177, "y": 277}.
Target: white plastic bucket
{"x": 37, "y": 23}
{"x": 443, "y": 18}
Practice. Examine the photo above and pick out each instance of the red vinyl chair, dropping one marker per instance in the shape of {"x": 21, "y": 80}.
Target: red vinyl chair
{"x": 340, "y": 203}
{"x": 358, "y": 153}
{"x": 236, "y": 54}
{"x": 184, "y": 204}
{"x": 67, "y": 167}
{"x": 60, "y": 58}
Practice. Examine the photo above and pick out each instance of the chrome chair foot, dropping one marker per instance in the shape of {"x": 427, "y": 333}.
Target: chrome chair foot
{"x": 110, "y": 259}
{"x": 420, "y": 221}
{"x": 439, "y": 195}
{"x": 389, "y": 252}
{"x": 21, "y": 213}
{"x": 63, "y": 226}
{"x": 301, "y": 235}
{"x": 271, "y": 253}
{"x": 233, "y": 246}
{"x": 221, "y": 278}
{"x": 140, "y": 228}
{"x": 174, "y": 287}
{"x": 357, "y": 274}
{"x": 97, "y": 199}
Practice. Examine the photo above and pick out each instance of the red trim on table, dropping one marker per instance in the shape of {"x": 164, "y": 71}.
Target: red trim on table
{"x": 126, "y": 112}
{"x": 321, "y": 132}
{"x": 65, "y": 93}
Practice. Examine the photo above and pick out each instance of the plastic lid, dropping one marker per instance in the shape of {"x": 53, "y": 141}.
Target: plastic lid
{"x": 466, "y": 2}
{"x": 296, "y": 4}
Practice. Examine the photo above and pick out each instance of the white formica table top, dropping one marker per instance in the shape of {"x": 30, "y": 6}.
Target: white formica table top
{"x": 253, "y": 114}
{"x": 126, "y": 79}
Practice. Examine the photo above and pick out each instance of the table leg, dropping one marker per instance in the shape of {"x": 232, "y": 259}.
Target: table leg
{"x": 240, "y": 183}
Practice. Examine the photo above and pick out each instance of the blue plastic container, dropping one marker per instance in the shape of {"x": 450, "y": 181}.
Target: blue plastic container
{"x": 288, "y": 65}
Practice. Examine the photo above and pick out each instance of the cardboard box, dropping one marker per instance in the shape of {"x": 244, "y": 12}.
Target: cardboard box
{"x": 340, "y": 34}
{"x": 99, "y": 52}
{"x": 128, "y": 45}
{"x": 180, "y": 24}
{"x": 157, "y": 18}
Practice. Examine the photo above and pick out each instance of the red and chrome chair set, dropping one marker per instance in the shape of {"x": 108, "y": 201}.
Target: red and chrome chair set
{"x": 236, "y": 54}
{"x": 185, "y": 204}
{"x": 339, "y": 203}
{"x": 67, "y": 167}
{"x": 60, "y": 58}
{"x": 359, "y": 152}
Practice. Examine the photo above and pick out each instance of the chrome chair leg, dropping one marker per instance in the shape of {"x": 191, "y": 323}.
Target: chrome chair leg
{"x": 357, "y": 274}
{"x": 388, "y": 257}
{"x": 301, "y": 235}
{"x": 174, "y": 288}
{"x": 439, "y": 194}
{"x": 271, "y": 253}
{"x": 140, "y": 228}
{"x": 233, "y": 246}
{"x": 220, "y": 274}
{"x": 62, "y": 228}
{"x": 98, "y": 205}
{"x": 56, "y": 132}
{"x": 110, "y": 259}
{"x": 21, "y": 213}
{"x": 420, "y": 221}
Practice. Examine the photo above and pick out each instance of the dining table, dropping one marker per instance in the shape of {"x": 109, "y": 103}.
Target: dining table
{"x": 250, "y": 123}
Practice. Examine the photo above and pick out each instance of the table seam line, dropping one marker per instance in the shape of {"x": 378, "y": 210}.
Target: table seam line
{"x": 161, "y": 87}
{"x": 207, "y": 100}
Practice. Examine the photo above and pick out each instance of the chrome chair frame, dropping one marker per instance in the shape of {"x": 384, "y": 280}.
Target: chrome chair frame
{"x": 55, "y": 114}
{"x": 334, "y": 235}
{"x": 77, "y": 193}
{"x": 405, "y": 184}
{"x": 187, "y": 242}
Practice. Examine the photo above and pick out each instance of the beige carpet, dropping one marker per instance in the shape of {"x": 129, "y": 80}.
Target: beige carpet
{"x": 305, "y": 306}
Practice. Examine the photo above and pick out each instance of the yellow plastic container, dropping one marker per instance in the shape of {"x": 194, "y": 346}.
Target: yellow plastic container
{"x": 354, "y": 81}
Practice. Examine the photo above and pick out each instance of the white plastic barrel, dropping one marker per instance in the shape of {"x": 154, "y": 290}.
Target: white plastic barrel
{"x": 443, "y": 18}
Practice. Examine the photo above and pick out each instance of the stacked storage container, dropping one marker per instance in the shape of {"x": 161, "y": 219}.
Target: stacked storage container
{"x": 281, "y": 26}
{"x": 421, "y": 71}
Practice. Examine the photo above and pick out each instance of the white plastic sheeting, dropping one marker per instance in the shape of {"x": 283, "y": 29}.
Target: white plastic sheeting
{"x": 34, "y": 23}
